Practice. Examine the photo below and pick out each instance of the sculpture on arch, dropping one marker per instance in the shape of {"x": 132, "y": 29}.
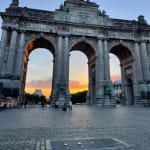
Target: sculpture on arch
{"x": 15, "y": 3}
{"x": 77, "y": 1}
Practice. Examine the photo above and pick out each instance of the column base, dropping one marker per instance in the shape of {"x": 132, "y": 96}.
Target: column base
{"x": 109, "y": 102}
{"x": 61, "y": 101}
{"x": 53, "y": 99}
{"x": 60, "y": 98}
{"x": 106, "y": 101}
{"x": 89, "y": 101}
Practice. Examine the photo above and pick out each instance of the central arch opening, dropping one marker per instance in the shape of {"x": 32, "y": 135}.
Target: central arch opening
{"x": 83, "y": 59}
{"x": 78, "y": 73}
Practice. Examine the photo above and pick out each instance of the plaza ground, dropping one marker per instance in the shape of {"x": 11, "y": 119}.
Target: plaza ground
{"x": 121, "y": 128}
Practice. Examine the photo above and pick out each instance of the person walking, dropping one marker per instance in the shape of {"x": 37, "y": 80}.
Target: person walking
{"x": 70, "y": 106}
{"x": 2, "y": 105}
{"x": 65, "y": 107}
{"x": 56, "y": 104}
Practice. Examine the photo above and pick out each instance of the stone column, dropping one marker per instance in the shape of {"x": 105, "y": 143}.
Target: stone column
{"x": 59, "y": 72}
{"x": 89, "y": 98}
{"x": 59, "y": 55}
{"x": 100, "y": 62}
{"x": 2, "y": 47}
{"x": 20, "y": 55}
{"x": 139, "y": 72}
{"x": 145, "y": 61}
{"x": 66, "y": 64}
{"x": 109, "y": 100}
{"x": 123, "y": 84}
{"x": 148, "y": 51}
{"x": 100, "y": 72}
{"x": 11, "y": 54}
{"x": 138, "y": 85}
{"x": 106, "y": 62}
{"x": 53, "y": 75}
{"x": 66, "y": 60}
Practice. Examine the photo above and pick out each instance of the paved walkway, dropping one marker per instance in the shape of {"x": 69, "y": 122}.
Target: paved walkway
{"x": 86, "y": 127}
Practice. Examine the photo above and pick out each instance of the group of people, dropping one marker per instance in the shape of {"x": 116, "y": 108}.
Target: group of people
{"x": 3, "y": 105}
{"x": 66, "y": 107}
{"x": 25, "y": 104}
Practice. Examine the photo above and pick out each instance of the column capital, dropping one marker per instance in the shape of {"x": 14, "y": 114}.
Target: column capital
{"x": 142, "y": 41}
{"x": 66, "y": 35}
{"x": 4, "y": 28}
{"x": 14, "y": 32}
{"x": 136, "y": 41}
{"x": 100, "y": 38}
{"x": 60, "y": 34}
{"x": 42, "y": 34}
{"x": 22, "y": 31}
{"x": 63, "y": 35}
{"x": 14, "y": 28}
{"x": 106, "y": 43}
{"x": 106, "y": 39}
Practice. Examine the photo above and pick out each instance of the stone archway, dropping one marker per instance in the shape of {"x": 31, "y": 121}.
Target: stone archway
{"x": 73, "y": 23}
{"x": 90, "y": 53}
{"x": 31, "y": 46}
{"x": 127, "y": 72}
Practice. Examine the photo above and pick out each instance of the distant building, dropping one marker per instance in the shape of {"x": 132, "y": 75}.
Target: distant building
{"x": 38, "y": 92}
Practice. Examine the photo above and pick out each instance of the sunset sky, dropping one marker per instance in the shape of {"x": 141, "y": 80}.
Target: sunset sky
{"x": 40, "y": 66}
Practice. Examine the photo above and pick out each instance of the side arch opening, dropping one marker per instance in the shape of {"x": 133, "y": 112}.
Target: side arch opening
{"x": 125, "y": 85}
{"x": 37, "y": 68}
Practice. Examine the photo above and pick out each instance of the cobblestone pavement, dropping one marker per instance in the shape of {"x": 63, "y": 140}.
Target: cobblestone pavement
{"x": 42, "y": 128}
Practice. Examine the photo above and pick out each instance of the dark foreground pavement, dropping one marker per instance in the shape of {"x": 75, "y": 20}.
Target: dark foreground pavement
{"x": 85, "y": 128}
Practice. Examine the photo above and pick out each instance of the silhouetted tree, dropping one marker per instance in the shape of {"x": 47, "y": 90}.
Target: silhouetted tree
{"x": 79, "y": 97}
{"x": 35, "y": 98}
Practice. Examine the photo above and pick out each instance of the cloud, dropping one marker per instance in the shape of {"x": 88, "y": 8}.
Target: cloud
{"x": 39, "y": 84}
{"x": 116, "y": 77}
{"x": 76, "y": 86}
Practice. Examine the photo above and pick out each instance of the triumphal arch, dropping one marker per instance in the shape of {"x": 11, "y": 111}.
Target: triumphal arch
{"x": 77, "y": 25}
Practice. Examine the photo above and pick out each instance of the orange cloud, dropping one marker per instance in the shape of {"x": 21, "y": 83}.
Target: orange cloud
{"x": 44, "y": 85}
{"x": 76, "y": 86}
{"x": 39, "y": 84}
{"x": 114, "y": 78}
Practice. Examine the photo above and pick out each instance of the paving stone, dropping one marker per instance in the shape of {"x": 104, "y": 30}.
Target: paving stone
{"x": 48, "y": 145}
{"x": 22, "y": 129}
{"x": 88, "y": 144}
